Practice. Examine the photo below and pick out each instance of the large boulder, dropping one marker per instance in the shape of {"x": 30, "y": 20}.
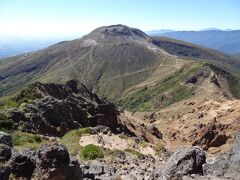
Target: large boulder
{"x": 5, "y": 172}
{"x": 5, "y": 153}
{"x": 5, "y": 139}
{"x": 22, "y": 165}
{"x": 185, "y": 161}
{"x": 226, "y": 165}
{"x": 53, "y": 162}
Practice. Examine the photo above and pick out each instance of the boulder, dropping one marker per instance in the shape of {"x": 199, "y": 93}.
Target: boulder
{"x": 5, "y": 139}
{"x": 53, "y": 162}
{"x": 5, "y": 153}
{"x": 5, "y": 172}
{"x": 185, "y": 161}
{"x": 22, "y": 166}
{"x": 226, "y": 165}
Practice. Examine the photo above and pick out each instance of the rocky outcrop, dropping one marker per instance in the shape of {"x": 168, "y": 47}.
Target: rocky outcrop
{"x": 149, "y": 133}
{"x": 5, "y": 153}
{"x": 185, "y": 161}
{"x": 5, "y": 139}
{"x": 198, "y": 76}
{"x": 210, "y": 135}
{"x": 22, "y": 165}
{"x": 53, "y": 162}
{"x": 54, "y": 109}
{"x": 226, "y": 165}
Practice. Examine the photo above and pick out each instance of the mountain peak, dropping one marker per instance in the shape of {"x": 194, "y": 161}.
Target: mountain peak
{"x": 119, "y": 30}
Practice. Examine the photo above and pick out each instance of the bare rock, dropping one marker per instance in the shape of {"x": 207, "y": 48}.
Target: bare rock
{"x": 59, "y": 108}
{"x": 5, "y": 153}
{"x": 186, "y": 160}
{"x": 5, "y": 139}
{"x": 128, "y": 177}
{"x": 226, "y": 165}
{"x": 22, "y": 166}
{"x": 210, "y": 135}
{"x": 5, "y": 172}
{"x": 53, "y": 162}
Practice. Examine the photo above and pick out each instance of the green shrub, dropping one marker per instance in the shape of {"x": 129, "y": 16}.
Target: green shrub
{"x": 71, "y": 140}
{"x": 90, "y": 152}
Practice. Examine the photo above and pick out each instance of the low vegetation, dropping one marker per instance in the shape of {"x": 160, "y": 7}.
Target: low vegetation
{"x": 134, "y": 152}
{"x": 159, "y": 149}
{"x": 90, "y": 152}
{"x": 234, "y": 85}
{"x": 71, "y": 140}
{"x": 5, "y": 123}
{"x": 170, "y": 90}
{"x": 22, "y": 140}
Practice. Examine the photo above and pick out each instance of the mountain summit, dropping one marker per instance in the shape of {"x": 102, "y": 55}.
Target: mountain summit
{"x": 110, "y": 60}
{"x": 101, "y": 58}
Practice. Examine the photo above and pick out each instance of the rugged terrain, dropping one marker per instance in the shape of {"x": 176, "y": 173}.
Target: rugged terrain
{"x": 159, "y": 95}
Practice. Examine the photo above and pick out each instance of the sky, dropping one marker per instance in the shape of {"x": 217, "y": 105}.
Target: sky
{"x": 75, "y": 17}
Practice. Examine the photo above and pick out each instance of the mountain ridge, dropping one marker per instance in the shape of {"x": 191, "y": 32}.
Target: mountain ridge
{"x": 226, "y": 41}
{"x": 109, "y": 60}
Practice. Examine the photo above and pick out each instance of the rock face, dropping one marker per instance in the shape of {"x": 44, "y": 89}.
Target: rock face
{"x": 54, "y": 109}
{"x": 53, "y": 162}
{"x": 22, "y": 166}
{"x": 226, "y": 165}
{"x": 5, "y": 153}
{"x": 185, "y": 161}
{"x": 5, "y": 139}
{"x": 210, "y": 135}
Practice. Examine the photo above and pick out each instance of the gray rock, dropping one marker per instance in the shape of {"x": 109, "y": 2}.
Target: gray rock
{"x": 22, "y": 166}
{"x": 53, "y": 162}
{"x": 186, "y": 160}
{"x": 226, "y": 165}
{"x": 5, "y": 172}
{"x": 5, "y": 139}
{"x": 58, "y": 108}
{"x": 96, "y": 170}
{"x": 128, "y": 177}
{"x": 5, "y": 153}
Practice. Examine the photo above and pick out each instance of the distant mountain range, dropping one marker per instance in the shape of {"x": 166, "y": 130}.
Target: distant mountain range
{"x": 227, "y": 41}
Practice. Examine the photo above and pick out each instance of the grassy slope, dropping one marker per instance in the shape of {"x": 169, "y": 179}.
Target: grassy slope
{"x": 173, "y": 89}
{"x": 149, "y": 98}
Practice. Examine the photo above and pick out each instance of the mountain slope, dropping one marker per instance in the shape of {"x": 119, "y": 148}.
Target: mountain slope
{"x": 112, "y": 61}
{"x": 198, "y": 53}
{"x": 224, "y": 41}
{"x": 185, "y": 83}
{"x": 104, "y": 58}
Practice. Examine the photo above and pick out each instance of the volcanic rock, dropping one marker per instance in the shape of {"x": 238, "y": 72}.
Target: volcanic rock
{"x": 185, "y": 161}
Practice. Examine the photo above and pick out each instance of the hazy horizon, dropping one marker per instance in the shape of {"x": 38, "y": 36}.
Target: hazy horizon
{"x": 74, "y": 18}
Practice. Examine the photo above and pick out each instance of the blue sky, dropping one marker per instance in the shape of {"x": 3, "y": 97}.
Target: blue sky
{"x": 68, "y": 17}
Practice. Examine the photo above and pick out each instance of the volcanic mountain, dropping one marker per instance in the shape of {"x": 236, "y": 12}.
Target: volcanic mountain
{"x": 111, "y": 60}
{"x": 101, "y": 58}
